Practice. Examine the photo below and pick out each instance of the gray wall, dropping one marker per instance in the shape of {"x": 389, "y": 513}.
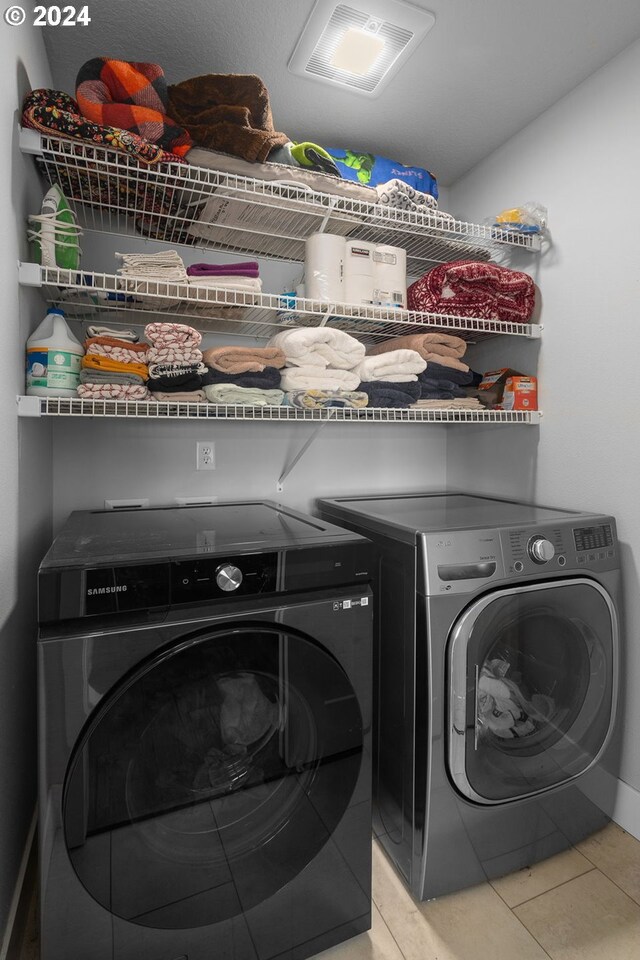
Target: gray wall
{"x": 25, "y": 469}
{"x": 97, "y": 460}
{"x": 581, "y": 158}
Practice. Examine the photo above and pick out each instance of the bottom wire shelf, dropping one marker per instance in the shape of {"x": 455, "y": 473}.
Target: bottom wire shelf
{"x": 143, "y": 409}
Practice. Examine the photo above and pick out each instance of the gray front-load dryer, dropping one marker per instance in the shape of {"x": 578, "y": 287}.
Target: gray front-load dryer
{"x": 497, "y": 675}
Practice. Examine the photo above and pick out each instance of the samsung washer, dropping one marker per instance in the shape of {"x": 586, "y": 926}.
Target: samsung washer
{"x": 497, "y": 681}
{"x": 205, "y": 718}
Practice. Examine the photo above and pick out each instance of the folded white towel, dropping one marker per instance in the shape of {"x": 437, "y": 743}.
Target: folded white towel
{"x": 243, "y": 284}
{"x": 398, "y": 366}
{"x": 319, "y": 347}
{"x": 317, "y": 378}
{"x": 165, "y": 265}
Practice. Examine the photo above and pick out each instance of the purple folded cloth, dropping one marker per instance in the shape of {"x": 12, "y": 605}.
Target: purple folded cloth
{"x": 248, "y": 269}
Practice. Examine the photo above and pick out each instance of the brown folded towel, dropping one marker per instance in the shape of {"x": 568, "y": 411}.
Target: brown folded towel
{"x": 244, "y": 359}
{"x": 228, "y": 112}
{"x": 444, "y": 362}
{"x": 426, "y": 344}
{"x": 186, "y": 396}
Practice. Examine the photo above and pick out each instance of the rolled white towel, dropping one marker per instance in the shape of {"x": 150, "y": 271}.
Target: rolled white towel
{"x": 319, "y": 347}
{"x": 397, "y": 366}
{"x": 317, "y": 378}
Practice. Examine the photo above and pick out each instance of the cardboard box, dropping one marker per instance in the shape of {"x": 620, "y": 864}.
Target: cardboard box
{"x": 520, "y": 393}
{"x": 491, "y": 389}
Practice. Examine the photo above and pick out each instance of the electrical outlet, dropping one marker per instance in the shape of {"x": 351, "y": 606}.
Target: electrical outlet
{"x": 205, "y": 455}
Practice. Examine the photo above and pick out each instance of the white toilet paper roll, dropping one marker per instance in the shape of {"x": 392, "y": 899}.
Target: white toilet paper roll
{"x": 324, "y": 267}
{"x": 359, "y": 271}
{"x": 390, "y": 277}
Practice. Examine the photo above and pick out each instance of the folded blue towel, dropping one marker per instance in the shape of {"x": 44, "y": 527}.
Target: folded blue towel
{"x": 438, "y": 371}
{"x": 433, "y": 389}
{"x": 387, "y": 393}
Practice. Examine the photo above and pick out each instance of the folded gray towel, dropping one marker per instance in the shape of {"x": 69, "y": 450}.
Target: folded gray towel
{"x": 105, "y": 376}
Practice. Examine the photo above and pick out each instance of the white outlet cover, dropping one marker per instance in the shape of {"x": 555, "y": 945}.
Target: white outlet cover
{"x": 205, "y": 455}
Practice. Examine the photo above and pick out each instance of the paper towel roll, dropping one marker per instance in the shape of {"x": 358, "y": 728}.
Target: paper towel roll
{"x": 324, "y": 267}
{"x": 390, "y": 276}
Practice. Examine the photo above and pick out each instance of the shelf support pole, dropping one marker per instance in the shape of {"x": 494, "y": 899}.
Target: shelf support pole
{"x": 325, "y": 220}
{"x": 300, "y": 454}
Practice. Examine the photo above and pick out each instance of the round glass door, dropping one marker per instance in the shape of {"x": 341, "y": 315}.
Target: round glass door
{"x": 211, "y": 776}
{"x": 532, "y": 688}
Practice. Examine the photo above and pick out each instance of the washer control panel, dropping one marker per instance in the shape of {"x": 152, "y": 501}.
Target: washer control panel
{"x": 465, "y": 561}
{"x": 532, "y": 550}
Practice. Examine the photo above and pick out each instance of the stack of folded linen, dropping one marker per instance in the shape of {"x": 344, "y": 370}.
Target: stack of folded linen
{"x": 240, "y": 277}
{"x": 390, "y": 379}
{"x": 464, "y": 403}
{"x": 114, "y": 366}
{"x": 319, "y": 358}
{"x": 468, "y": 288}
{"x": 161, "y": 276}
{"x": 176, "y": 368}
{"x": 253, "y": 373}
{"x": 441, "y": 348}
{"x": 446, "y": 382}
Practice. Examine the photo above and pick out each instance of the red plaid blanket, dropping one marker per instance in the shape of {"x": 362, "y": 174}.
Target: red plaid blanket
{"x": 473, "y": 289}
{"x": 132, "y": 96}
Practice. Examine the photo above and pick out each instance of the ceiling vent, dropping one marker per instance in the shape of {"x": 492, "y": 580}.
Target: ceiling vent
{"x": 360, "y": 44}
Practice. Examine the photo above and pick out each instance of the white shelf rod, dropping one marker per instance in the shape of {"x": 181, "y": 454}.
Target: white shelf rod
{"x": 300, "y": 454}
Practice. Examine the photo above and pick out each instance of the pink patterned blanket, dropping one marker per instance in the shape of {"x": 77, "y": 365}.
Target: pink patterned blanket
{"x": 173, "y": 335}
{"x": 113, "y": 391}
{"x": 468, "y": 288}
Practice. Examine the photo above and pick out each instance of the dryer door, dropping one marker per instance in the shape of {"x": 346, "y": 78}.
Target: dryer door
{"x": 532, "y": 688}
{"x": 212, "y": 775}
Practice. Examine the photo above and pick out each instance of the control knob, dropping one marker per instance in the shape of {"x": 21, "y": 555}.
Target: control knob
{"x": 541, "y": 550}
{"x": 228, "y": 577}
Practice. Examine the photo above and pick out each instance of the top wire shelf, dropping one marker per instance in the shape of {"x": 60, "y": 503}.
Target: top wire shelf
{"x": 184, "y": 204}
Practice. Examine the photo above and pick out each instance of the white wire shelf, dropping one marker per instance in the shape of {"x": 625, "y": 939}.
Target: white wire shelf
{"x": 60, "y": 407}
{"x": 185, "y": 204}
{"x": 244, "y": 314}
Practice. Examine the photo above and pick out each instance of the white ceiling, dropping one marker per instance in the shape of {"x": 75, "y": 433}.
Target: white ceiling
{"x": 486, "y": 69}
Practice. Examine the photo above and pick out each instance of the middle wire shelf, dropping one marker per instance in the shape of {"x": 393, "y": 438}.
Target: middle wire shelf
{"x": 83, "y": 294}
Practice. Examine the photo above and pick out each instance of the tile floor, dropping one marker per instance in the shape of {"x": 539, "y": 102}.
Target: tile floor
{"x": 583, "y": 904}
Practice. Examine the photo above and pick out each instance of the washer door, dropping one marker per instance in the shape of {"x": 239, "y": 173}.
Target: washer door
{"x": 532, "y": 688}
{"x": 210, "y": 777}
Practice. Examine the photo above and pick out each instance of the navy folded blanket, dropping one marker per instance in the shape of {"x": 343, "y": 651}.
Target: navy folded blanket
{"x": 432, "y": 389}
{"x": 387, "y": 393}
{"x": 438, "y": 371}
{"x": 267, "y": 379}
{"x": 176, "y": 384}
